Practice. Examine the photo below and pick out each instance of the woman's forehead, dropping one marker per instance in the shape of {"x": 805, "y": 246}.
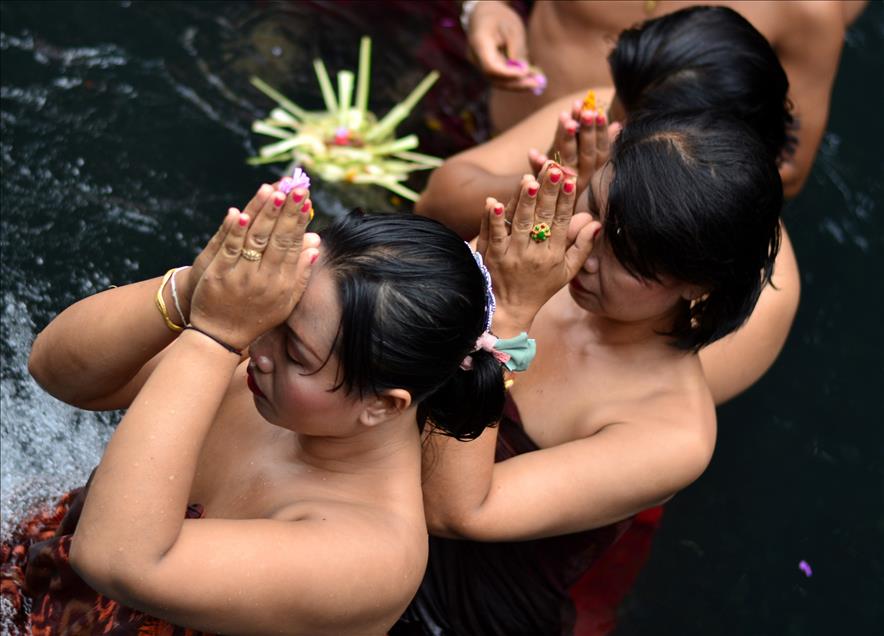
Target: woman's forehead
{"x": 317, "y": 314}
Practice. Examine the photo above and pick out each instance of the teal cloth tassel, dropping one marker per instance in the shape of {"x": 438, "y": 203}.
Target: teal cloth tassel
{"x": 521, "y": 350}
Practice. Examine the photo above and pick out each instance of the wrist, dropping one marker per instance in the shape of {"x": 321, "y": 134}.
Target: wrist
{"x": 210, "y": 343}
{"x": 509, "y": 323}
{"x": 186, "y": 285}
{"x": 473, "y": 8}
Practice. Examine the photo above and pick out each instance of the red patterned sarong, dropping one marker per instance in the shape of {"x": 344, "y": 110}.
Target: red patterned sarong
{"x": 48, "y": 598}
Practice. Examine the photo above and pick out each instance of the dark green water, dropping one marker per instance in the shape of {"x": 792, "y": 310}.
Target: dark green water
{"x": 125, "y": 127}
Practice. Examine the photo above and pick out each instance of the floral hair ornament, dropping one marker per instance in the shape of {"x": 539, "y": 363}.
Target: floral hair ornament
{"x": 490, "y": 303}
{"x": 514, "y": 353}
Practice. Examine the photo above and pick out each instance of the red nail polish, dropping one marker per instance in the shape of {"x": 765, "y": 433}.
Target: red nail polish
{"x": 571, "y": 129}
{"x": 298, "y": 195}
{"x": 313, "y": 258}
{"x": 555, "y": 175}
{"x": 600, "y": 120}
{"x": 278, "y": 199}
{"x": 243, "y": 219}
{"x": 307, "y": 206}
{"x": 568, "y": 187}
{"x": 588, "y": 117}
{"x": 595, "y": 234}
{"x": 532, "y": 190}
{"x": 498, "y": 209}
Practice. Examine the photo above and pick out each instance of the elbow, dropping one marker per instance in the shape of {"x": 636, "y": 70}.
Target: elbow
{"x": 41, "y": 369}
{"x": 117, "y": 574}
{"x": 446, "y": 526}
{"x": 444, "y": 200}
{"x": 430, "y": 203}
{"x": 94, "y": 566}
{"x": 793, "y": 180}
{"x": 462, "y": 523}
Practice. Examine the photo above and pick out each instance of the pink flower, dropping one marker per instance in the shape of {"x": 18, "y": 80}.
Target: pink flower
{"x": 540, "y": 80}
{"x": 299, "y": 179}
{"x": 804, "y": 566}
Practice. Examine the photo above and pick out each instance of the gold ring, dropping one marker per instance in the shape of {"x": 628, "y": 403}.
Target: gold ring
{"x": 252, "y": 255}
{"x": 540, "y": 232}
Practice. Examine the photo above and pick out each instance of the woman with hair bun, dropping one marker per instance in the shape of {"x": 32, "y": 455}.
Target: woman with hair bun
{"x": 614, "y": 416}
{"x": 266, "y": 477}
{"x": 694, "y": 60}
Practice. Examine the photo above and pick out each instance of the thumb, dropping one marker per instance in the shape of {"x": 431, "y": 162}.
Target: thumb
{"x": 537, "y": 159}
{"x": 306, "y": 261}
{"x": 515, "y": 44}
{"x": 581, "y": 248}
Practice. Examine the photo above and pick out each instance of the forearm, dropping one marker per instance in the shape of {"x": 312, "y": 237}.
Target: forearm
{"x": 96, "y": 346}
{"x": 139, "y": 493}
{"x": 456, "y": 195}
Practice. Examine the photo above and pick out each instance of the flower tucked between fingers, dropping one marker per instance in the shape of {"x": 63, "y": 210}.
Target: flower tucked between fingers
{"x": 299, "y": 179}
{"x": 541, "y": 82}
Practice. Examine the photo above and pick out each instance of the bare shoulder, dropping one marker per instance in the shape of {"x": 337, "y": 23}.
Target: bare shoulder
{"x": 677, "y": 419}
{"x": 802, "y": 27}
{"x": 385, "y": 551}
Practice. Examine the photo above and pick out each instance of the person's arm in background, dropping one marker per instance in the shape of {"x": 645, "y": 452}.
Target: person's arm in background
{"x": 457, "y": 190}
{"x": 499, "y": 44}
{"x": 809, "y": 50}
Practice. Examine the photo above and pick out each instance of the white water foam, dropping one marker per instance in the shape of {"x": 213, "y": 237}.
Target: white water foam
{"x": 46, "y": 446}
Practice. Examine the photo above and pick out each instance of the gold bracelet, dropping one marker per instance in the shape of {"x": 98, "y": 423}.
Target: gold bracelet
{"x": 161, "y": 304}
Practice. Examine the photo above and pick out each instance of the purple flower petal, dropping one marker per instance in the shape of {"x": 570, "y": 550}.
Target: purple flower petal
{"x": 540, "y": 78}
{"x": 299, "y": 179}
{"x": 516, "y": 64}
{"x": 804, "y": 566}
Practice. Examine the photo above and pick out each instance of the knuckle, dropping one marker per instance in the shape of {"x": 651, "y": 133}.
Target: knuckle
{"x": 259, "y": 240}
{"x": 284, "y": 242}
{"x": 231, "y": 250}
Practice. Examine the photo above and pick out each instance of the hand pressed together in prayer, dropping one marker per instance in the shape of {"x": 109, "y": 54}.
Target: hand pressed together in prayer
{"x": 582, "y": 143}
{"x": 527, "y": 245}
{"x": 253, "y": 271}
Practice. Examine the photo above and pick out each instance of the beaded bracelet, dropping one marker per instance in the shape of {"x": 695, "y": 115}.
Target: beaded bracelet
{"x": 161, "y": 304}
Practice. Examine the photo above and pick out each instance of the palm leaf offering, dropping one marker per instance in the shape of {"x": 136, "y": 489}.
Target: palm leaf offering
{"x": 346, "y": 142}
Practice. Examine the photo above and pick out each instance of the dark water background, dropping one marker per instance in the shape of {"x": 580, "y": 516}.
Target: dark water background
{"x": 125, "y": 127}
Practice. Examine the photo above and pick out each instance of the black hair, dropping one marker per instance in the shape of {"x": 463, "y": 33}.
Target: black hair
{"x": 698, "y": 198}
{"x": 413, "y": 304}
{"x": 701, "y": 59}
